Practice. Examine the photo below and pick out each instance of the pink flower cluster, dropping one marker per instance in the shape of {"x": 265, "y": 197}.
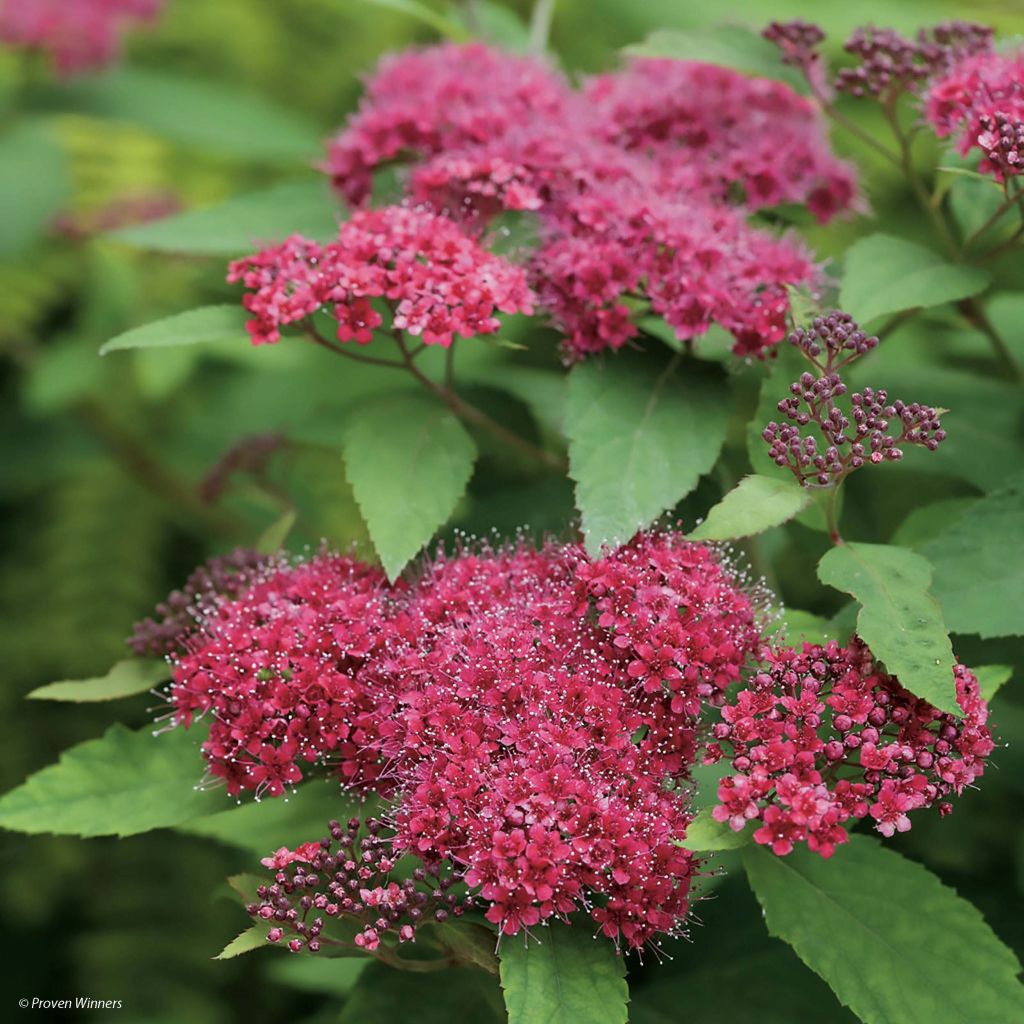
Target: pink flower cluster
{"x": 980, "y": 103}
{"x": 532, "y": 714}
{"x": 277, "y": 670}
{"x": 824, "y": 735}
{"x": 640, "y": 182}
{"x": 78, "y": 35}
{"x": 433, "y": 279}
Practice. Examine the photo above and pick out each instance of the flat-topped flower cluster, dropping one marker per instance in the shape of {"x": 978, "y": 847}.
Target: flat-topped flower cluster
{"x": 641, "y": 183}
{"x": 532, "y": 716}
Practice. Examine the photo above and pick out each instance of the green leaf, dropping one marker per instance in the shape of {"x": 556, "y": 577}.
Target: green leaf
{"x": 125, "y": 679}
{"x": 272, "y": 539}
{"x": 33, "y": 183}
{"x": 641, "y": 432}
{"x": 408, "y": 460}
{"x": 894, "y": 943}
{"x": 202, "y": 326}
{"x": 899, "y": 619}
{"x": 979, "y": 566}
{"x": 252, "y": 938}
{"x": 427, "y": 15}
{"x": 497, "y": 24}
{"x": 313, "y": 974}
{"x": 242, "y": 224}
{"x": 207, "y": 115}
{"x": 798, "y": 626}
{"x": 927, "y": 522}
{"x": 755, "y": 504}
{"x": 729, "y": 46}
{"x": 705, "y": 835}
{"x": 732, "y": 972}
{"x": 991, "y": 678}
{"x": 120, "y": 784}
{"x": 563, "y": 975}
{"x": 885, "y": 274}
{"x": 261, "y": 827}
{"x": 383, "y": 995}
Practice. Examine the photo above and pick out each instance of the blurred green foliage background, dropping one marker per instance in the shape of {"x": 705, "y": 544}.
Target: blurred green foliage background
{"x": 101, "y": 513}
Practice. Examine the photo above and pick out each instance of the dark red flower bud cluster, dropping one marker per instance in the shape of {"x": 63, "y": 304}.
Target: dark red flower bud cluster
{"x": 223, "y": 576}
{"x": 1001, "y": 139}
{"x": 338, "y": 892}
{"x": 871, "y": 432}
{"x": 823, "y": 735}
{"x": 798, "y": 40}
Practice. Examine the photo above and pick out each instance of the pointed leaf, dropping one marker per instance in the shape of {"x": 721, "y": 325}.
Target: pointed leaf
{"x": 755, "y": 504}
{"x": 125, "y": 679}
{"x": 120, "y": 784}
{"x": 34, "y": 183}
{"x": 408, "y": 460}
{"x": 895, "y": 944}
{"x": 201, "y": 326}
{"x": 979, "y": 566}
{"x": 243, "y": 223}
{"x": 899, "y": 619}
{"x": 885, "y": 274}
{"x": 563, "y": 975}
{"x": 252, "y": 938}
{"x": 641, "y": 432}
{"x": 272, "y": 539}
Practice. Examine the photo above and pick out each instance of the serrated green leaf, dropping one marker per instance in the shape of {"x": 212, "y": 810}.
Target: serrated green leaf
{"x": 208, "y": 115}
{"x": 263, "y": 826}
{"x": 252, "y": 938}
{"x": 729, "y": 46}
{"x": 641, "y": 432}
{"x": 732, "y": 972}
{"x": 899, "y": 618}
{"x": 34, "y": 183}
{"x": 705, "y": 835}
{"x": 755, "y": 504}
{"x": 563, "y": 975}
{"x": 918, "y": 955}
{"x": 205, "y": 325}
{"x": 125, "y": 679}
{"x": 241, "y": 224}
{"x": 884, "y": 274}
{"x": 991, "y": 678}
{"x": 979, "y": 566}
{"x": 927, "y": 522}
{"x": 383, "y": 995}
{"x": 120, "y": 784}
{"x": 408, "y": 460}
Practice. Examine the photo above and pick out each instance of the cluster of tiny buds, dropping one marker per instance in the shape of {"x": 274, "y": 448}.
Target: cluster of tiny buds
{"x": 798, "y": 40}
{"x": 353, "y": 886}
{"x": 849, "y": 440}
{"x": 889, "y": 63}
{"x": 834, "y": 334}
{"x": 1002, "y": 140}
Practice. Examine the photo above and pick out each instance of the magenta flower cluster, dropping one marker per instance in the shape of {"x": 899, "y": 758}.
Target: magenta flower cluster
{"x": 432, "y": 279}
{"x": 640, "y": 181}
{"x": 823, "y": 735}
{"x": 980, "y": 103}
{"x": 77, "y": 35}
{"x": 532, "y": 715}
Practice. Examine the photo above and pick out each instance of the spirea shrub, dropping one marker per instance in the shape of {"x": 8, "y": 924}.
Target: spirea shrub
{"x": 533, "y": 756}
